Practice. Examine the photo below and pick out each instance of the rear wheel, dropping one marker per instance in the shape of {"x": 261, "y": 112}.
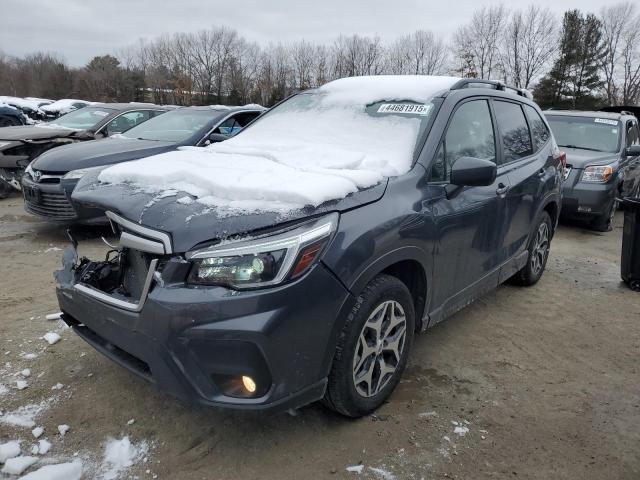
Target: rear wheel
{"x": 539, "y": 245}
{"x": 372, "y": 349}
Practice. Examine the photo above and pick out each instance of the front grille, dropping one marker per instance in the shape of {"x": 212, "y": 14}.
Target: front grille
{"x": 52, "y": 205}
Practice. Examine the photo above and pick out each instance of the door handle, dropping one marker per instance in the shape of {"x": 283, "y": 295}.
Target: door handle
{"x": 502, "y": 190}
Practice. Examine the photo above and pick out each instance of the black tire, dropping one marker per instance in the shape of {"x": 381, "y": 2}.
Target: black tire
{"x": 536, "y": 263}
{"x": 344, "y": 394}
{"x": 604, "y": 222}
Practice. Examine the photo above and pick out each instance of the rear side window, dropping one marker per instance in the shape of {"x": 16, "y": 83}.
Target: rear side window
{"x": 516, "y": 139}
{"x": 539, "y": 130}
{"x": 470, "y": 134}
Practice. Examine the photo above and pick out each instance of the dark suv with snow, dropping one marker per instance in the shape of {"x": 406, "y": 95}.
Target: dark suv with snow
{"x": 296, "y": 261}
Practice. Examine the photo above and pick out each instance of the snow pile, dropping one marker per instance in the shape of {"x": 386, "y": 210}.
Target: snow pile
{"x": 17, "y": 465}
{"x": 44, "y": 446}
{"x": 63, "y": 429}
{"x": 355, "y": 469}
{"x": 62, "y": 471}
{"x": 37, "y": 432}
{"x": 9, "y": 450}
{"x": 63, "y": 106}
{"x": 312, "y": 149}
{"x": 120, "y": 455}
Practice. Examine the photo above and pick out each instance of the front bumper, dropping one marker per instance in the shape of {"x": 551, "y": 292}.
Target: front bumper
{"x": 586, "y": 200}
{"x": 190, "y": 340}
{"x": 52, "y": 201}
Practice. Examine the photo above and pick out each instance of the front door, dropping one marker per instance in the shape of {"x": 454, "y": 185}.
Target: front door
{"x": 469, "y": 220}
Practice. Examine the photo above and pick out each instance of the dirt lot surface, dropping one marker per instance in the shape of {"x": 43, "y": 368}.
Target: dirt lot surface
{"x": 545, "y": 379}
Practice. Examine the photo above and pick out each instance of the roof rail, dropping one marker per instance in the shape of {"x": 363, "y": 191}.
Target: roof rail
{"x": 495, "y": 84}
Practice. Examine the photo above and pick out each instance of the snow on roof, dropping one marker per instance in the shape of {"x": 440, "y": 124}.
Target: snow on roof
{"x": 63, "y": 106}
{"x": 20, "y": 102}
{"x": 312, "y": 149}
{"x": 371, "y": 89}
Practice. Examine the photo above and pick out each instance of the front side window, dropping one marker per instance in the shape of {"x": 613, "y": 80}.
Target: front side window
{"x": 470, "y": 134}
{"x": 586, "y": 133}
{"x": 514, "y": 131}
{"x": 126, "y": 121}
{"x": 539, "y": 130}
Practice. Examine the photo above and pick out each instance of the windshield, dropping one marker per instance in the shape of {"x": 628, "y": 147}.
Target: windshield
{"x": 335, "y": 132}
{"x": 586, "y": 133}
{"x": 175, "y": 126}
{"x": 82, "y": 119}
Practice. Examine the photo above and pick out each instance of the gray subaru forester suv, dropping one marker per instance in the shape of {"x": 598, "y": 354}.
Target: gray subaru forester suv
{"x": 265, "y": 310}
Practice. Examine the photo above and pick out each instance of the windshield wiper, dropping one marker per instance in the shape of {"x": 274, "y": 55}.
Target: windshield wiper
{"x": 581, "y": 148}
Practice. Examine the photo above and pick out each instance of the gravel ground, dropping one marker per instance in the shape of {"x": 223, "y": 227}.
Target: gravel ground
{"x": 545, "y": 379}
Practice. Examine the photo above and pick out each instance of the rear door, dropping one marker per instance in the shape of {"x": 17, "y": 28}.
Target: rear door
{"x": 469, "y": 220}
{"x": 524, "y": 162}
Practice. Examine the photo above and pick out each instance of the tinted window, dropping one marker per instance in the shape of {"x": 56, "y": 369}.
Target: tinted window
{"x": 175, "y": 126}
{"x": 516, "y": 139}
{"x": 632, "y": 134}
{"x": 84, "y": 118}
{"x": 470, "y": 134}
{"x": 539, "y": 130}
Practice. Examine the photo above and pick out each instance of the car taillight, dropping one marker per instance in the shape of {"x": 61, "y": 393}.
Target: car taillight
{"x": 563, "y": 158}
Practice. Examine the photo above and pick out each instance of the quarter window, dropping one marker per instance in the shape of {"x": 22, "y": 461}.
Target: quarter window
{"x": 539, "y": 130}
{"x": 632, "y": 134}
{"x": 516, "y": 139}
{"x": 470, "y": 134}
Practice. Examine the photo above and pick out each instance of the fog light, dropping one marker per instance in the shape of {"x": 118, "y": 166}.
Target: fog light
{"x": 249, "y": 384}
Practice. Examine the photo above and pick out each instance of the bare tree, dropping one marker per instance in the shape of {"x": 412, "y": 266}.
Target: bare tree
{"x": 619, "y": 66}
{"x": 528, "y": 45}
{"x": 420, "y": 53}
{"x": 476, "y": 45}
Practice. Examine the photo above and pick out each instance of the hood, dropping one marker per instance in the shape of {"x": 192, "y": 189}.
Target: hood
{"x": 193, "y": 224}
{"x": 33, "y": 132}
{"x": 96, "y": 153}
{"x": 579, "y": 158}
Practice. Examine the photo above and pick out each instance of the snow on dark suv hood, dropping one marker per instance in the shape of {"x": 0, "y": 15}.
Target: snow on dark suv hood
{"x": 579, "y": 158}
{"x": 192, "y": 224}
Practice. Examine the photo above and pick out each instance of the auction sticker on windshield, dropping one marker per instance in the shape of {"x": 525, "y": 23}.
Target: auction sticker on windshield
{"x": 606, "y": 121}
{"x": 404, "y": 108}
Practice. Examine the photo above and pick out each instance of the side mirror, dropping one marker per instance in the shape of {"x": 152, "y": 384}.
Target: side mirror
{"x": 632, "y": 151}
{"x": 473, "y": 172}
{"x": 217, "y": 137}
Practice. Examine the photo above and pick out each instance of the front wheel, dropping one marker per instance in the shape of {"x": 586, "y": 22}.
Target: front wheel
{"x": 372, "y": 349}
{"x": 538, "y": 248}
{"x": 604, "y": 223}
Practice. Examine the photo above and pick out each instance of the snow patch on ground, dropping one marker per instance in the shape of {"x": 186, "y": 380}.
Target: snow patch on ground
{"x": 62, "y": 471}
{"x": 382, "y": 473}
{"x": 25, "y": 415}
{"x": 355, "y": 469}
{"x": 120, "y": 455}
{"x": 9, "y": 450}
{"x": 51, "y": 338}
{"x": 17, "y": 465}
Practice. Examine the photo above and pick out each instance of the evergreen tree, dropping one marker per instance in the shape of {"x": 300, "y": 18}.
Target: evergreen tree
{"x": 574, "y": 80}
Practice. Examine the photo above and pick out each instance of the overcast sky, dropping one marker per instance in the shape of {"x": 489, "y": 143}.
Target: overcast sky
{"x": 81, "y": 29}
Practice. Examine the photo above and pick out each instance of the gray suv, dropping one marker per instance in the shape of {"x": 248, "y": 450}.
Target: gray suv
{"x": 265, "y": 311}
{"x": 603, "y": 152}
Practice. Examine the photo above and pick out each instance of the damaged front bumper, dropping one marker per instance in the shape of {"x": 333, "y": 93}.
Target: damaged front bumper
{"x": 197, "y": 342}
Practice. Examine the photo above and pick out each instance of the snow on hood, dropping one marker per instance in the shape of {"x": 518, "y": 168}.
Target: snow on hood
{"x": 294, "y": 156}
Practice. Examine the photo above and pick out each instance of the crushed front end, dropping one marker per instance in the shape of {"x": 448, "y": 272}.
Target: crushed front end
{"x": 253, "y": 349}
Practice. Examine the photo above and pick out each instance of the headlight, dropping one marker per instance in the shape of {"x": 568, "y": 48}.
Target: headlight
{"x": 29, "y": 170}
{"x": 76, "y": 174}
{"x": 265, "y": 261}
{"x": 597, "y": 174}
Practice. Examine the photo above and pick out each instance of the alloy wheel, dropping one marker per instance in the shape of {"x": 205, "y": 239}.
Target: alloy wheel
{"x": 379, "y": 349}
{"x": 540, "y": 248}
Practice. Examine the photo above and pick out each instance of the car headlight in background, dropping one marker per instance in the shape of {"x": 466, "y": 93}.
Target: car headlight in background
{"x": 28, "y": 170}
{"x": 81, "y": 172}
{"x": 263, "y": 261}
{"x": 597, "y": 174}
